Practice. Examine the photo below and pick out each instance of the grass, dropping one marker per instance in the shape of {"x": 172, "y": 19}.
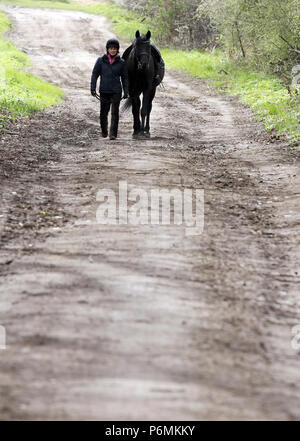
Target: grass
{"x": 264, "y": 93}
{"x": 20, "y": 92}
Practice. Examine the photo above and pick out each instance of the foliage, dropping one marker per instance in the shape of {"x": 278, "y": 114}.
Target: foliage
{"x": 165, "y": 15}
{"x": 266, "y": 33}
{"x": 174, "y": 21}
{"x": 263, "y": 33}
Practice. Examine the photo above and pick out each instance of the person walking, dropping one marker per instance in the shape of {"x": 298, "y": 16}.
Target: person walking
{"x": 112, "y": 71}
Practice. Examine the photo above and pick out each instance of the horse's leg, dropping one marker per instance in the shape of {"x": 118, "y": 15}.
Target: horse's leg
{"x": 136, "y": 104}
{"x": 147, "y": 127}
{"x": 144, "y": 111}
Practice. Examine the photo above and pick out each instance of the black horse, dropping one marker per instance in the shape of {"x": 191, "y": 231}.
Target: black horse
{"x": 141, "y": 78}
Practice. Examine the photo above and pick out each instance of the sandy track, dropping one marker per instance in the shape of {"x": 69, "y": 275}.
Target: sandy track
{"x": 124, "y": 322}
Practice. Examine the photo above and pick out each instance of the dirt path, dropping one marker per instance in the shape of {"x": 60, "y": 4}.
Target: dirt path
{"x": 143, "y": 322}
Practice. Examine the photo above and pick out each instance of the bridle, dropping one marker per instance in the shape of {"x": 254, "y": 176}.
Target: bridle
{"x": 141, "y": 53}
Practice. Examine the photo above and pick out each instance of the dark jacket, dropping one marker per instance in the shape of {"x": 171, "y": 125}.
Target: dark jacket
{"x": 110, "y": 75}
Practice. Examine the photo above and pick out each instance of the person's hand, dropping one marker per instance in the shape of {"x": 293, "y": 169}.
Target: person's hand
{"x": 125, "y": 96}
{"x": 93, "y": 92}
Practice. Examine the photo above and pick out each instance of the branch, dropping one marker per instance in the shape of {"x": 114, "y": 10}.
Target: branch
{"x": 240, "y": 39}
{"x": 294, "y": 49}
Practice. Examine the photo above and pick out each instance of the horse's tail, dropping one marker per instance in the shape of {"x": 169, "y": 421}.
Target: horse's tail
{"x": 127, "y": 104}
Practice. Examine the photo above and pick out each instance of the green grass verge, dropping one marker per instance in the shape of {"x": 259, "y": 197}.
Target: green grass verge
{"x": 20, "y": 92}
{"x": 264, "y": 93}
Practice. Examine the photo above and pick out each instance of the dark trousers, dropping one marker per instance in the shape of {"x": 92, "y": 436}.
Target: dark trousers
{"x": 107, "y": 100}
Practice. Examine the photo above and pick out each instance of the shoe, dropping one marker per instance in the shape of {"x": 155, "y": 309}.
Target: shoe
{"x": 112, "y": 137}
{"x": 104, "y": 134}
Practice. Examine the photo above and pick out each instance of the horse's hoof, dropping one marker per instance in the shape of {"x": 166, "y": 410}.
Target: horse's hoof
{"x": 136, "y": 135}
{"x": 147, "y": 134}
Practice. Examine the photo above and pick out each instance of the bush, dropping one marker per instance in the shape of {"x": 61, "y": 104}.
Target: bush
{"x": 265, "y": 33}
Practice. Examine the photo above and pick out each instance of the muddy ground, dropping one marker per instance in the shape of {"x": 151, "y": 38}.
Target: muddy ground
{"x": 143, "y": 322}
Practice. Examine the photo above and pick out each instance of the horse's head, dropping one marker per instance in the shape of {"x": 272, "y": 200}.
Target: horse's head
{"x": 142, "y": 49}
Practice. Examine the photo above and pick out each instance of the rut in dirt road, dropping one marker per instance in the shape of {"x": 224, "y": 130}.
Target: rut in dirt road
{"x": 143, "y": 322}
